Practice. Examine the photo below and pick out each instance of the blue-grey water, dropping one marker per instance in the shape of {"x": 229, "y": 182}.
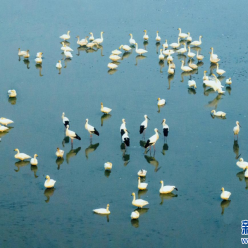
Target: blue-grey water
{"x": 199, "y": 157}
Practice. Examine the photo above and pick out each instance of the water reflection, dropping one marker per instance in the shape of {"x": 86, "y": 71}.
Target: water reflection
{"x": 141, "y": 193}
{"x": 34, "y": 169}
{"x": 102, "y": 216}
{"x": 157, "y": 46}
{"x": 59, "y": 69}
{"x": 59, "y": 161}
{"x": 12, "y": 100}
{"x": 39, "y": 67}
{"x": 145, "y": 43}
{"x": 207, "y": 91}
{"x": 165, "y": 148}
{"x": 228, "y": 89}
{"x": 170, "y": 78}
{"x": 105, "y": 117}
{"x": 91, "y": 50}
{"x": 135, "y": 223}
{"x": 200, "y": 64}
{"x": 185, "y": 74}
{"x": 81, "y": 49}
{"x": 48, "y": 193}
{"x": 112, "y": 71}
{"x": 67, "y": 60}
{"x": 241, "y": 176}
{"x": 236, "y": 149}
{"x": 214, "y": 103}
{"x": 125, "y": 157}
{"x": 67, "y": 43}
{"x": 139, "y": 57}
{"x": 26, "y": 62}
{"x": 90, "y": 148}
{"x": 101, "y": 48}
{"x": 65, "y": 140}
{"x": 159, "y": 107}
{"x": 224, "y": 204}
{"x": 166, "y": 197}
{"x": 221, "y": 78}
{"x": 72, "y": 153}
{"x": 191, "y": 91}
{"x": 2, "y": 134}
{"x": 142, "y": 143}
{"x": 107, "y": 173}
{"x": 212, "y": 67}
{"x": 126, "y": 54}
{"x": 161, "y": 63}
{"x": 142, "y": 210}
{"x": 20, "y": 164}
{"x": 151, "y": 160}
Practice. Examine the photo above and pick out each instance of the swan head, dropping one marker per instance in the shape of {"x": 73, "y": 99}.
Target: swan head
{"x": 35, "y": 155}
{"x": 157, "y": 32}
{"x": 213, "y": 111}
{"x": 144, "y": 31}
{"x": 161, "y": 181}
{"x": 241, "y": 159}
{"x": 91, "y": 33}
{"x": 101, "y": 104}
{"x": 59, "y": 61}
{"x": 47, "y": 177}
{"x": 205, "y": 71}
{"x": 188, "y": 33}
{"x": 57, "y": 149}
{"x": 237, "y": 122}
{"x": 158, "y": 99}
{"x": 222, "y": 189}
{"x": 133, "y": 194}
{"x": 87, "y": 120}
{"x": 102, "y": 32}
{"x": 16, "y": 150}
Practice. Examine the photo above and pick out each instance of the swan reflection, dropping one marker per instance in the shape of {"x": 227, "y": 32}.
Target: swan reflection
{"x": 112, "y": 71}
{"x": 142, "y": 193}
{"x": 165, "y": 148}
{"x": 241, "y": 176}
{"x": 81, "y": 49}
{"x": 34, "y": 169}
{"x": 12, "y": 100}
{"x": 107, "y": 173}
{"x": 105, "y": 117}
{"x": 161, "y": 63}
{"x": 90, "y": 148}
{"x": 26, "y": 62}
{"x": 166, "y": 197}
{"x": 228, "y": 89}
{"x": 224, "y": 204}
{"x": 65, "y": 140}
{"x": 20, "y": 164}
{"x": 151, "y": 160}
{"x": 191, "y": 91}
{"x": 135, "y": 223}
{"x": 48, "y": 193}
{"x": 125, "y": 55}
{"x": 139, "y": 57}
{"x": 72, "y": 153}
{"x": 39, "y": 67}
{"x": 142, "y": 210}
{"x": 214, "y": 103}
{"x": 236, "y": 149}
{"x": 59, "y": 161}
{"x": 170, "y": 78}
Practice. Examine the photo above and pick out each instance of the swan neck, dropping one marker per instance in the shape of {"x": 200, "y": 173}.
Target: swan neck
{"x": 134, "y": 197}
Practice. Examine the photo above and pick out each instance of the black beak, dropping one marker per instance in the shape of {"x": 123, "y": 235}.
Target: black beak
{"x": 148, "y": 118}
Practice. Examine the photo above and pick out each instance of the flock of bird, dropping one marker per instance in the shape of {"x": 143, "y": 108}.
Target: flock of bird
{"x": 165, "y": 54}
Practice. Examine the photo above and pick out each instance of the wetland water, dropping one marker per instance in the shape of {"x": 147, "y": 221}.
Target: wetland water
{"x": 200, "y": 155}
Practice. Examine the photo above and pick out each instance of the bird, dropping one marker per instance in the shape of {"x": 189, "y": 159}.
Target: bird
{"x": 102, "y": 210}
{"x": 82, "y": 42}
{"x": 175, "y": 45}
{"x": 170, "y": 69}
{"x": 225, "y": 194}
{"x": 114, "y": 57}
{"x": 91, "y": 45}
{"x": 166, "y": 189}
{"x": 71, "y": 134}
{"x": 125, "y": 138}
{"x": 132, "y": 41}
{"x": 218, "y": 113}
{"x": 140, "y": 51}
{"x": 144, "y": 124}
{"x": 91, "y": 129}
{"x": 161, "y": 102}
{"x": 49, "y": 183}
{"x": 59, "y": 65}
{"x": 229, "y": 81}
{"x": 153, "y": 139}
{"x": 191, "y": 65}
{"x": 21, "y": 53}
{"x": 185, "y": 68}
{"x": 165, "y": 45}
{"x": 242, "y": 164}
{"x": 66, "y": 48}
{"x": 158, "y": 38}
{"x": 139, "y": 202}
{"x": 167, "y": 52}
{"x": 142, "y": 186}
{"x": 65, "y": 120}
{"x": 219, "y": 71}
{"x": 192, "y": 83}
{"x": 165, "y": 128}
{"x": 5, "y": 121}
{"x": 197, "y": 42}
{"x": 116, "y": 52}
{"x": 190, "y": 54}
{"x": 12, "y": 93}
{"x": 3, "y": 128}
{"x": 182, "y": 50}
{"x": 142, "y": 173}
{"x": 123, "y": 127}
{"x": 21, "y": 156}
{"x": 169, "y": 58}
{"x": 205, "y": 77}
{"x": 105, "y": 110}
{"x": 112, "y": 66}
{"x": 91, "y": 37}
{"x": 182, "y": 35}
{"x": 108, "y": 166}
{"x": 126, "y": 48}
{"x": 161, "y": 56}
{"x": 99, "y": 40}
{"x": 34, "y": 160}
{"x": 65, "y": 36}
{"x": 236, "y": 129}
{"x": 39, "y": 59}
{"x": 39, "y": 54}
{"x": 246, "y": 173}
{"x": 213, "y": 57}
{"x": 189, "y": 38}
{"x": 135, "y": 215}
{"x": 27, "y": 55}
{"x": 68, "y": 54}
{"x": 59, "y": 153}
{"x": 145, "y": 37}
{"x": 199, "y": 56}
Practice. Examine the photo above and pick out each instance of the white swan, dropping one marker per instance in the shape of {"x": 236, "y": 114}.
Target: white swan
{"x": 236, "y": 129}
{"x": 205, "y": 77}
{"x": 246, "y": 173}
{"x": 218, "y": 113}
{"x": 161, "y": 56}
{"x": 27, "y": 55}
{"x": 158, "y": 38}
{"x": 166, "y": 189}
{"x": 219, "y": 71}
{"x": 82, "y": 42}
{"x": 191, "y": 65}
{"x": 145, "y": 37}
{"x": 142, "y": 186}
{"x": 12, "y": 93}
{"x": 182, "y": 50}
{"x": 197, "y": 42}
{"x": 199, "y": 56}
{"x": 105, "y": 110}
{"x": 189, "y": 38}
{"x": 125, "y": 48}
{"x": 114, "y": 57}
{"x": 169, "y": 58}
{"x": 212, "y": 53}
{"x": 91, "y": 44}
{"x": 176, "y": 45}
{"x": 99, "y": 40}
{"x": 185, "y": 68}
{"x": 142, "y": 173}
{"x": 39, "y": 59}
{"x": 39, "y": 54}
{"x": 112, "y": 66}
{"x": 91, "y": 37}
{"x": 167, "y": 52}
{"x": 182, "y": 35}
{"x": 140, "y": 51}
{"x": 135, "y": 215}
{"x": 229, "y": 81}
{"x": 5, "y": 121}
{"x": 108, "y": 166}
{"x": 132, "y": 41}
{"x": 34, "y": 160}
{"x": 192, "y": 83}
{"x": 21, "y": 53}
{"x": 59, "y": 65}
{"x": 21, "y": 156}
{"x": 102, "y": 210}
{"x": 165, "y": 45}
{"x": 242, "y": 164}
{"x": 68, "y": 54}
{"x": 170, "y": 69}
{"x": 190, "y": 54}
{"x": 116, "y": 52}
{"x": 3, "y": 128}
{"x": 65, "y": 36}
{"x": 225, "y": 194}
{"x": 59, "y": 153}
{"x": 139, "y": 202}
{"x": 66, "y": 48}
{"x": 49, "y": 183}
{"x": 161, "y": 102}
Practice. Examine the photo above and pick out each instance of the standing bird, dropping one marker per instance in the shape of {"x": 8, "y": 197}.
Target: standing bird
{"x": 59, "y": 65}
{"x": 91, "y": 37}
{"x": 236, "y": 129}
{"x": 21, "y": 156}
{"x": 105, "y": 110}
{"x": 65, "y": 120}
{"x": 166, "y": 189}
{"x": 139, "y": 202}
{"x": 158, "y": 38}
{"x": 125, "y": 138}
{"x": 71, "y": 134}
{"x": 132, "y": 41}
{"x": 99, "y": 40}
{"x": 34, "y": 160}
{"x": 65, "y": 36}
{"x": 145, "y": 37}
{"x": 91, "y": 129}
{"x": 182, "y": 35}
{"x": 139, "y": 51}
{"x": 123, "y": 127}
{"x": 5, "y": 121}
{"x": 12, "y": 93}
{"x": 144, "y": 124}
{"x": 165, "y": 128}
{"x": 161, "y": 102}
{"x": 152, "y": 140}
{"x": 49, "y": 183}
{"x": 225, "y": 194}
{"x": 142, "y": 186}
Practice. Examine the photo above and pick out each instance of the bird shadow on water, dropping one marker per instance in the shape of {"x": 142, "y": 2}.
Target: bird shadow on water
{"x": 59, "y": 161}
{"x": 91, "y": 148}
{"x": 214, "y": 103}
{"x": 236, "y": 149}
{"x": 12, "y": 100}
{"x": 191, "y": 91}
{"x": 224, "y": 204}
{"x": 167, "y": 197}
{"x": 125, "y": 157}
{"x": 241, "y": 176}
{"x": 151, "y": 160}
{"x": 135, "y": 223}
{"x": 39, "y": 67}
{"x": 107, "y": 173}
{"x": 139, "y": 57}
{"x": 34, "y": 169}
{"x": 105, "y": 117}
{"x": 165, "y": 148}
{"x": 72, "y": 153}
{"x": 48, "y": 193}
{"x": 20, "y": 164}
{"x": 65, "y": 140}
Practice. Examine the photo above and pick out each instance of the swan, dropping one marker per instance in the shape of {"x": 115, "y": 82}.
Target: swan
{"x": 71, "y": 134}
{"x": 27, "y": 55}
{"x": 5, "y": 121}
{"x": 21, "y": 156}
{"x": 116, "y": 52}
{"x": 125, "y": 48}
{"x": 218, "y": 113}
{"x": 190, "y": 54}
{"x": 59, "y": 65}
{"x": 242, "y": 164}
{"x": 142, "y": 173}
{"x": 21, "y": 53}
{"x": 140, "y": 51}
{"x": 142, "y": 186}
{"x": 39, "y": 54}
{"x": 59, "y": 153}
{"x": 165, "y": 45}
{"x": 99, "y": 40}
{"x": 199, "y": 56}
{"x": 182, "y": 35}
{"x": 91, "y": 45}
{"x": 158, "y": 38}
{"x": 197, "y": 42}
{"x": 39, "y": 59}
{"x": 205, "y": 77}
{"x": 191, "y": 65}
{"x": 3, "y": 128}
{"x": 219, "y": 71}
{"x": 143, "y": 125}
{"x": 145, "y": 37}
{"x": 135, "y": 215}
{"x": 173, "y": 66}
{"x": 90, "y": 128}
{"x": 91, "y": 37}
{"x": 82, "y": 42}
{"x": 212, "y": 53}
{"x": 114, "y": 57}
{"x": 102, "y": 210}
{"x": 192, "y": 83}
{"x": 161, "y": 56}
{"x": 229, "y": 81}
{"x": 213, "y": 57}
{"x": 170, "y": 70}
{"x": 176, "y": 45}
{"x": 33, "y": 160}
{"x": 139, "y": 202}
{"x": 108, "y": 166}
{"x": 166, "y": 189}
{"x": 217, "y": 81}
{"x": 169, "y": 58}
{"x": 112, "y": 66}
{"x": 65, "y": 36}
{"x": 153, "y": 139}
{"x": 105, "y": 110}
{"x": 236, "y": 129}
{"x": 161, "y": 102}
{"x": 66, "y": 48}
{"x": 68, "y": 54}
{"x": 189, "y": 38}
{"x": 182, "y": 50}
{"x": 49, "y": 183}
{"x": 225, "y": 194}
{"x": 185, "y": 68}
{"x": 132, "y": 41}
{"x": 12, "y": 93}
{"x": 168, "y": 52}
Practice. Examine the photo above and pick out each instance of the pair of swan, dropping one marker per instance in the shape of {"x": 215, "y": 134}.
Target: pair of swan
{"x": 218, "y": 113}
{"x": 225, "y": 194}
{"x": 105, "y": 110}
{"x": 161, "y": 102}
{"x": 82, "y": 42}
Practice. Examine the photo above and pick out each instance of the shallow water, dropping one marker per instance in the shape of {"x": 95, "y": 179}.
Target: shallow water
{"x": 200, "y": 154}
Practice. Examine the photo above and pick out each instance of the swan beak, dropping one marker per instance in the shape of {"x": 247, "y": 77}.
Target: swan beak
{"x": 148, "y": 118}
